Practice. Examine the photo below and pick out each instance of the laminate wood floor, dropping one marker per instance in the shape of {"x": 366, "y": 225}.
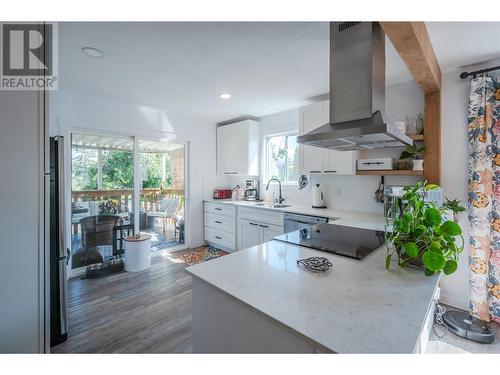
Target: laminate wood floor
{"x": 143, "y": 312}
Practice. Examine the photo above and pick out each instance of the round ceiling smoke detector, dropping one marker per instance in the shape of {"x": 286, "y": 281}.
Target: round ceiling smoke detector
{"x": 93, "y": 52}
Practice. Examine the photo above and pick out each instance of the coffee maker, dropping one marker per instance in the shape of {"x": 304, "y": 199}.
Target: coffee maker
{"x": 251, "y": 190}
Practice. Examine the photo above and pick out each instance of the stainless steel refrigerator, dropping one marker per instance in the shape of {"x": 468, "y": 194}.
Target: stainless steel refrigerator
{"x": 59, "y": 252}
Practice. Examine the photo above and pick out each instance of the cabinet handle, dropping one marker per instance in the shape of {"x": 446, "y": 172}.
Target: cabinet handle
{"x": 219, "y": 238}
{"x": 264, "y": 226}
{"x": 230, "y": 172}
{"x": 330, "y": 171}
{"x": 218, "y": 222}
{"x": 217, "y": 209}
{"x": 314, "y": 171}
{"x": 253, "y": 224}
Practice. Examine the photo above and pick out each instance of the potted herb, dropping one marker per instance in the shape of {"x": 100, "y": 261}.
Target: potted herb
{"x": 421, "y": 237}
{"x": 412, "y": 154}
{"x": 452, "y": 207}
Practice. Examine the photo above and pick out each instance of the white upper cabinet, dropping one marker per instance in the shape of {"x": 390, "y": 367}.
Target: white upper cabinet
{"x": 238, "y": 148}
{"x": 316, "y": 160}
{"x": 311, "y": 158}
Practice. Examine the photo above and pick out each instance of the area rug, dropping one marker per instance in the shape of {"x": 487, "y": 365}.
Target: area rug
{"x": 200, "y": 254}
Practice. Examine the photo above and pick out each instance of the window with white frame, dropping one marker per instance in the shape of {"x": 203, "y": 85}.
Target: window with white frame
{"x": 282, "y": 157}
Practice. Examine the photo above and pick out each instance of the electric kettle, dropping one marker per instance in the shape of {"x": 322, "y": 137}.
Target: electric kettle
{"x": 318, "y": 197}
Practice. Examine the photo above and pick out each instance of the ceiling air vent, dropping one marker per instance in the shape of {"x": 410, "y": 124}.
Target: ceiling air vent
{"x": 347, "y": 25}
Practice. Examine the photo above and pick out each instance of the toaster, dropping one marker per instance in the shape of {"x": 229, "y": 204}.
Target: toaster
{"x": 222, "y": 193}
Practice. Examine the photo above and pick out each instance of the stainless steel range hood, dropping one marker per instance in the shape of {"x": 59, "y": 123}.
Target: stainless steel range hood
{"x": 357, "y": 92}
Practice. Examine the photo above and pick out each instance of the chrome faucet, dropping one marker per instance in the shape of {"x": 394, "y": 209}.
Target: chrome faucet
{"x": 280, "y": 199}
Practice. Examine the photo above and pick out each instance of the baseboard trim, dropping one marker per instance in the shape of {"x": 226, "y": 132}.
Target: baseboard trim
{"x": 454, "y": 301}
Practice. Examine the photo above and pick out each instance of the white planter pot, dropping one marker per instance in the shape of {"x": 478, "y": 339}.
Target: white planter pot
{"x": 418, "y": 165}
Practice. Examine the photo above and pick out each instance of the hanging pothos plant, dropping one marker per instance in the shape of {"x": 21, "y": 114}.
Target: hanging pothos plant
{"x": 421, "y": 237}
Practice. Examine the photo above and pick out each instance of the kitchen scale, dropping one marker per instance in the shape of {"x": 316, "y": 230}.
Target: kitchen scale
{"x": 465, "y": 325}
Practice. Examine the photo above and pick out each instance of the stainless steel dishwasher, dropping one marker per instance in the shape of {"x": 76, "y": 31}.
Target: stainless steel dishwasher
{"x": 293, "y": 222}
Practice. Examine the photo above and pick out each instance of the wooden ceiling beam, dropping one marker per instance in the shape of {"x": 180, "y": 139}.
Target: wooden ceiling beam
{"x": 413, "y": 44}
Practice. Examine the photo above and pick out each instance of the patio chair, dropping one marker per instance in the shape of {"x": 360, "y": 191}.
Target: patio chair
{"x": 167, "y": 210}
{"x": 179, "y": 225}
{"x": 97, "y": 239}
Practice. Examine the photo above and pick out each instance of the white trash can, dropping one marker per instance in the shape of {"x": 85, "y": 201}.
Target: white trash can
{"x": 137, "y": 253}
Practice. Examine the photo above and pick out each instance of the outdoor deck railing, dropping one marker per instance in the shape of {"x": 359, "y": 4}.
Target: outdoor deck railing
{"x": 149, "y": 198}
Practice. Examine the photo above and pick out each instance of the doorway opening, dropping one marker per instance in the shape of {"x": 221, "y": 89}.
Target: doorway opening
{"x": 105, "y": 196}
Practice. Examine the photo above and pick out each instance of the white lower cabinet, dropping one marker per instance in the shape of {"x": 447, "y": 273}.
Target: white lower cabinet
{"x": 220, "y": 238}
{"x": 256, "y": 226}
{"x": 231, "y": 228}
{"x": 271, "y": 231}
{"x": 220, "y": 225}
{"x": 251, "y": 233}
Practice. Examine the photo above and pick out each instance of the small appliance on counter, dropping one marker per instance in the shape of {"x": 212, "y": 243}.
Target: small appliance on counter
{"x": 379, "y": 164}
{"x": 251, "y": 190}
{"x": 318, "y": 196}
{"x": 222, "y": 193}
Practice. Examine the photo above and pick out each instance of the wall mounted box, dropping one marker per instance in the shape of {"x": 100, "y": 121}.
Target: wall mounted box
{"x": 379, "y": 164}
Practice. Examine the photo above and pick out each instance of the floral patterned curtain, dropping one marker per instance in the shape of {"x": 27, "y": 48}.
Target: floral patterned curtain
{"x": 484, "y": 198}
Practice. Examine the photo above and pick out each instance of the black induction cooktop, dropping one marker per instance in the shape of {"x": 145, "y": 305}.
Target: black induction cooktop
{"x": 352, "y": 242}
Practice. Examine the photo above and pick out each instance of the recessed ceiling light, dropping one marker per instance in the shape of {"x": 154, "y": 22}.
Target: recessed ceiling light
{"x": 275, "y": 110}
{"x": 225, "y": 96}
{"x": 93, "y": 52}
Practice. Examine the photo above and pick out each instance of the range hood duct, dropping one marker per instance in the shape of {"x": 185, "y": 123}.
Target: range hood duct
{"x": 357, "y": 92}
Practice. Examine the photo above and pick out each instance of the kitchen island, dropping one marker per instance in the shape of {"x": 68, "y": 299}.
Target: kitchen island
{"x": 259, "y": 301}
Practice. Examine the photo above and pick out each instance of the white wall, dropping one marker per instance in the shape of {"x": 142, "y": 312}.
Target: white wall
{"x": 454, "y": 156}
{"x": 20, "y": 187}
{"x": 102, "y": 112}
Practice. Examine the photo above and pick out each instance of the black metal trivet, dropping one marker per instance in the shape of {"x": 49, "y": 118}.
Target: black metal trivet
{"x": 316, "y": 264}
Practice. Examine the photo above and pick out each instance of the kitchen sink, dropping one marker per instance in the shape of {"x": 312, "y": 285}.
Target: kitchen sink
{"x": 272, "y": 205}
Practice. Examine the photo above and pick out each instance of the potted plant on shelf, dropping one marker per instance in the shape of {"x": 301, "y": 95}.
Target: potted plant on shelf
{"x": 421, "y": 237}
{"x": 411, "y": 158}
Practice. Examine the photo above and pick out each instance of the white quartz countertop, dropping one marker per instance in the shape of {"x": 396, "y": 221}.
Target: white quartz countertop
{"x": 356, "y": 307}
{"x": 348, "y": 218}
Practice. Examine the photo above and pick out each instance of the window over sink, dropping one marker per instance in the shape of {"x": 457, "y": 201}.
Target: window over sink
{"x": 282, "y": 157}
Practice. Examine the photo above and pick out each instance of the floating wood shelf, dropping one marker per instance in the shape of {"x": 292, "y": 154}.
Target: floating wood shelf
{"x": 390, "y": 173}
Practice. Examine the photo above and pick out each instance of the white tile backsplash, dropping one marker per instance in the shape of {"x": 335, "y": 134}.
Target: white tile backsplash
{"x": 352, "y": 193}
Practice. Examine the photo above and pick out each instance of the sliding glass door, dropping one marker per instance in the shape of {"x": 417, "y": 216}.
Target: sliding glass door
{"x": 102, "y": 181}
{"x": 104, "y": 197}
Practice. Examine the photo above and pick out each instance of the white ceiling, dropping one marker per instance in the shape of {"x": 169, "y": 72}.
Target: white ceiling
{"x": 183, "y": 67}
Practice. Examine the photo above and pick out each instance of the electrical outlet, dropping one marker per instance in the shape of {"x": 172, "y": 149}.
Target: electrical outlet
{"x": 338, "y": 190}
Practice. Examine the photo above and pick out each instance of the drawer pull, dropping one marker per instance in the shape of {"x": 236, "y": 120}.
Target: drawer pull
{"x": 264, "y": 226}
{"x": 219, "y": 238}
{"x": 253, "y": 224}
{"x": 314, "y": 171}
{"x": 330, "y": 171}
{"x": 217, "y": 209}
{"x": 218, "y": 222}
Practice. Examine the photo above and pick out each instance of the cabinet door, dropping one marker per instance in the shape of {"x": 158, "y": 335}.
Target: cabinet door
{"x": 237, "y": 146}
{"x": 270, "y": 231}
{"x": 339, "y": 162}
{"x": 224, "y": 150}
{"x": 311, "y": 158}
{"x": 249, "y": 234}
